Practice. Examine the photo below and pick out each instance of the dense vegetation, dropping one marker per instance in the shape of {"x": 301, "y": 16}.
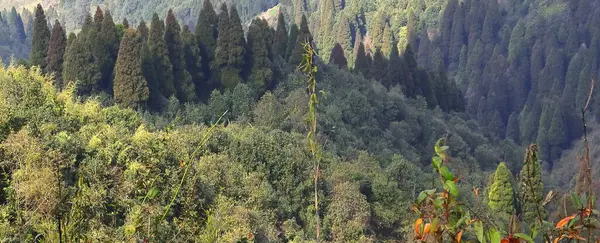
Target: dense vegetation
{"x": 194, "y": 127}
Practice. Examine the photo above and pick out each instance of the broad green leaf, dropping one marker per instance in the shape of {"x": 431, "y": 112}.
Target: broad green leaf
{"x": 450, "y": 186}
{"x": 524, "y": 237}
{"x": 576, "y": 201}
{"x": 494, "y": 236}
{"x": 438, "y": 202}
{"x": 479, "y": 229}
{"x": 446, "y": 173}
{"x": 152, "y": 193}
{"x": 425, "y": 194}
{"x": 437, "y": 162}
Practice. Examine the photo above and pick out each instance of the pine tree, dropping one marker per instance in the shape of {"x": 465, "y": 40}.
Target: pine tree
{"x": 56, "y": 52}
{"x": 160, "y": 57}
{"x": 395, "y": 76}
{"x": 106, "y": 50}
{"x": 557, "y": 135}
{"x": 182, "y": 78}
{"x": 379, "y": 68}
{"x": 40, "y": 39}
{"x": 80, "y": 67}
{"x": 292, "y": 39}
{"x": 16, "y": 27}
{"x": 458, "y": 35}
{"x": 193, "y": 60}
{"x": 446, "y": 26}
{"x": 343, "y": 36}
{"x": 531, "y": 187}
{"x": 325, "y": 36}
{"x": 130, "y": 86}
{"x": 143, "y": 30}
{"x": 125, "y": 23}
{"x": 423, "y": 52}
{"x": 388, "y": 42}
{"x": 98, "y": 17}
{"x": 542, "y": 134}
{"x": 512, "y": 128}
{"x": 206, "y": 33}
{"x": 230, "y": 51}
{"x": 537, "y": 64}
{"x": 259, "y": 64}
{"x": 413, "y": 85}
{"x": 501, "y": 191}
{"x": 281, "y": 36}
{"x": 337, "y": 57}
{"x": 304, "y": 36}
{"x": 496, "y": 126}
{"x": 156, "y": 101}
{"x": 362, "y": 63}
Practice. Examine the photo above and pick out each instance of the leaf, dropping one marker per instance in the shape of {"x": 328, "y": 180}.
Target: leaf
{"x": 129, "y": 230}
{"x": 459, "y": 237}
{"x": 437, "y": 162}
{"x": 576, "y": 201}
{"x": 479, "y": 229}
{"x": 434, "y": 226}
{"x": 446, "y": 173}
{"x": 564, "y": 221}
{"x": 524, "y": 237}
{"x": 152, "y": 193}
{"x": 425, "y": 194}
{"x": 450, "y": 186}
{"x": 418, "y": 224}
{"x": 494, "y": 236}
{"x": 426, "y": 229}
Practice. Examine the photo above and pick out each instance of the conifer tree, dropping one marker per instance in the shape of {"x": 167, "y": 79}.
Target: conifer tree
{"x": 337, "y": 57}
{"x": 343, "y": 36}
{"x": 80, "y": 67}
{"x": 542, "y": 135}
{"x": 362, "y": 64}
{"x": 379, "y": 68}
{"x": 41, "y": 36}
{"x": 182, "y": 78}
{"x": 230, "y": 51}
{"x": 446, "y": 26}
{"x": 125, "y": 23}
{"x": 531, "y": 186}
{"x": 388, "y": 42}
{"x": 98, "y": 17}
{"x": 156, "y": 101}
{"x": 259, "y": 64}
{"x": 130, "y": 86}
{"x": 193, "y": 60}
{"x": 304, "y": 36}
{"x": 206, "y": 34}
{"x": 458, "y": 35}
{"x": 413, "y": 85}
{"x": 144, "y": 31}
{"x": 423, "y": 52}
{"x": 501, "y": 191}
{"x": 512, "y": 128}
{"x": 56, "y": 52}
{"x": 106, "y": 50}
{"x": 557, "y": 135}
{"x": 160, "y": 57}
{"x": 394, "y": 75}
{"x": 16, "y": 27}
{"x": 292, "y": 39}
{"x": 325, "y": 37}
{"x": 281, "y": 36}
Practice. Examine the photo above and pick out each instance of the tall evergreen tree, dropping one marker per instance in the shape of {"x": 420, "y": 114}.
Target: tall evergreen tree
{"x": 304, "y": 36}
{"x": 362, "y": 63}
{"x": 56, "y": 52}
{"x": 130, "y": 86}
{"x": 337, "y": 57}
{"x": 160, "y": 57}
{"x": 193, "y": 60}
{"x": 206, "y": 34}
{"x": 230, "y": 51}
{"x": 512, "y": 128}
{"x": 343, "y": 36}
{"x": 413, "y": 86}
{"x": 80, "y": 67}
{"x": 281, "y": 36}
{"x": 259, "y": 64}
{"x": 557, "y": 135}
{"x": 531, "y": 186}
{"x": 40, "y": 39}
{"x": 144, "y": 31}
{"x": 394, "y": 76}
{"x": 379, "y": 68}
{"x": 325, "y": 26}
{"x": 292, "y": 39}
{"x": 182, "y": 78}
{"x": 501, "y": 191}
{"x": 106, "y": 50}
{"x": 98, "y": 17}
{"x": 388, "y": 42}
{"x": 16, "y": 27}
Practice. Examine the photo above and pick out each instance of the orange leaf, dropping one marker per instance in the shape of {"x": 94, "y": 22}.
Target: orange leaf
{"x": 418, "y": 227}
{"x": 587, "y": 212}
{"x": 564, "y": 221}
{"x": 426, "y": 230}
{"x": 476, "y": 191}
{"x": 459, "y": 237}
{"x": 505, "y": 241}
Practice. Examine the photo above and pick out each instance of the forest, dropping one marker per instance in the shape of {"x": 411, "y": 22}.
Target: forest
{"x": 299, "y": 121}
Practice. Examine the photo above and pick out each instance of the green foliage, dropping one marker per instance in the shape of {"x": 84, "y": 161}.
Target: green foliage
{"x": 260, "y": 65}
{"x": 230, "y": 49}
{"x": 160, "y": 57}
{"x": 304, "y": 36}
{"x": 130, "y": 86}
{"x": 184, "y": 86}
{"x": 206, "y": 33}
{"x": 40, "y": 39}
{"x": 56, "y": 52}
{"x": 531, "y": 188}
{"x": 281, "y": 36}
{"x": 501, "y": 191}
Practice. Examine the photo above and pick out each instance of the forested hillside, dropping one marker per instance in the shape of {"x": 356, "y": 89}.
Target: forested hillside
{"x": 197, "y": 121}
